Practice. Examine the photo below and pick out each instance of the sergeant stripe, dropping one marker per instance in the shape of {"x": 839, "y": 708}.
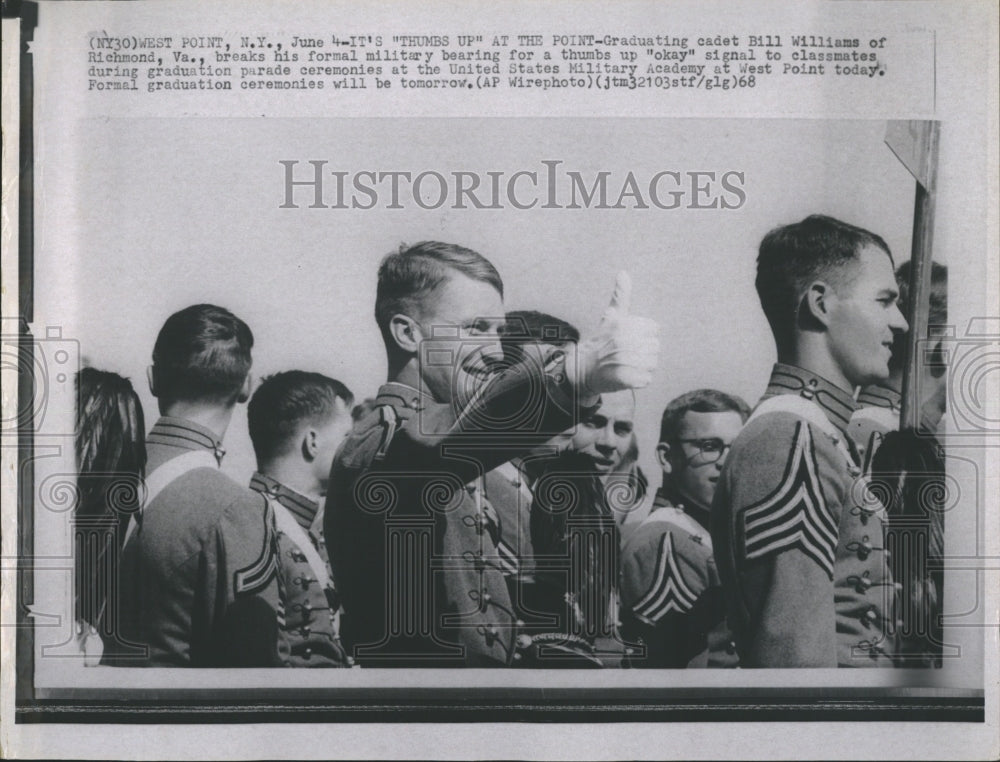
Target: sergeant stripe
{"x": 668, "y": 591}
{"x": 257, "y": 575}
{"x": 795, "y": 515}
{"x": 508, "y": 558}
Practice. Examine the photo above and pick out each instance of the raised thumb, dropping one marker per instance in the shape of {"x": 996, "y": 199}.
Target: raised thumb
{"x": 622, "y": 296}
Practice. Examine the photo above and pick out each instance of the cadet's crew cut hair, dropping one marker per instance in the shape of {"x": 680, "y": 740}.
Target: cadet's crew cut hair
{"x": 532, "y": 326}
{"x": 284, "y": 402}
{"x": 698, "y": 401}
{"x": 408, "y": 276}
{"x": 793, "y": 256}
{"x": 539, "y": 326}
{"x": 937, "y": 315}
{"x": 202, "y": 353}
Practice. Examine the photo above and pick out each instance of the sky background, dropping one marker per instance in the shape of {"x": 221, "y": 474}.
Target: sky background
{"x": 175, "y": 217}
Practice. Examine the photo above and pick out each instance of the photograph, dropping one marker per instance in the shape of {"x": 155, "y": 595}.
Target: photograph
{"x": 337, "y": 416}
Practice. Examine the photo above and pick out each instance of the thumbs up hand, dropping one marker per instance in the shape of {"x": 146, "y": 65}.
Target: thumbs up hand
{"x": 623, "y": 350}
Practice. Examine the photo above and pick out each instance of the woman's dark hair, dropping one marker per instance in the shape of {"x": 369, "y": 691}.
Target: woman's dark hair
{"x": 111, "y": 463}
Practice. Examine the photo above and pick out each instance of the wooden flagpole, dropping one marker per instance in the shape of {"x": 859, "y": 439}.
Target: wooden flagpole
{"x": 915, "y": 144}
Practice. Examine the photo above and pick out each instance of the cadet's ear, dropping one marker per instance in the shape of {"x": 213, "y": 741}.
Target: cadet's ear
{"x": 405, "y": 332}
{"x": 310, "y": 445}
{"x": 816, "y": 302}
{"x": 663, "y": 457}
{"x": 244, "y": 394}
{"x": 151, "y": 378}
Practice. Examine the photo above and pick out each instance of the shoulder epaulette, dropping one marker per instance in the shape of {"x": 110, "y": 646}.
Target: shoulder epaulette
{"x": 389, "y": 420}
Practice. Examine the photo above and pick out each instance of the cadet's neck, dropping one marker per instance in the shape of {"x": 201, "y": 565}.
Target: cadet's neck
{"x": 213, "y": 417}
{"x": 693, "y": 508}
{"x": 811, "y": 353}
{"x": 895, "y": 381}
{"x": 701, "y": 515}
{"x": 294, "y": 473}
{"x": 407, "y": 372}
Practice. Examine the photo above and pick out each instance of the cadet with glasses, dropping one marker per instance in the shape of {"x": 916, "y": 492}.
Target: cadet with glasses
{"x": 672, "y": 604}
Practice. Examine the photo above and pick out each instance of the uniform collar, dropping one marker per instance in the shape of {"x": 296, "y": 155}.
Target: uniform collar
{"x": 663, "y": 509}
{"x": 187, "y": 435}
{"x": 509, "y": 470}
{"x": 836, "y": 403}
{"x": 304, "y": 509}
{"x": 880, "y": 396}
{"x": 660, "y": 500}
{"x": 667, "y": 498}
{"x": 403, "y": 397}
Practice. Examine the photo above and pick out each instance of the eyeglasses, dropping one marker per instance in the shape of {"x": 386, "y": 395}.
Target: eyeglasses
{"x": 710, "y": 450}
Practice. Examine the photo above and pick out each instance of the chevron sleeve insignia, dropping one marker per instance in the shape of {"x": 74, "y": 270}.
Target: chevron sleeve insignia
{"x": 668, "y": 591}
{"x": 795, "y": 514}
{"x": 258, "y": 575}
{"x": 509, "y": 562}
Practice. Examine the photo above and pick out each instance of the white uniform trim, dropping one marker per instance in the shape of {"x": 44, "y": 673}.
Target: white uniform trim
{"x": 803, "y": 408}
{"x": 168, "y": 473}
{"x": 289, "y": 527}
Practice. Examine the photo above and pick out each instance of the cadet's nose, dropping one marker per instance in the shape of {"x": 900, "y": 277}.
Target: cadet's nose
{"x": 606, "y": 438}
{"x": 491, "y": 349}
{"x": 896, "y": 320}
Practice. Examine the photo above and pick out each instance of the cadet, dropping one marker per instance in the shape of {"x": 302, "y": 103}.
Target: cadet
{"x": 798, "y": 537}
{"x": 297, "y": 420}
{"x": 198, "y": 579}
{"x": 412, "y": 539}
{"x": 576, "y": 539}
{"x": 905, "y": 468}
{"x": 527, "y": 336}
{"x": 671, "y": 595}
{"x": 879, "y": 404}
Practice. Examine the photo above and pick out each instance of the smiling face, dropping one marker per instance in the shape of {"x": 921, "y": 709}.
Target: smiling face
{"x": 605, "y": 436}
{"x": 459, "y": 325}
{"x": 863, "y": 319}
{"x": 687, "y": 462}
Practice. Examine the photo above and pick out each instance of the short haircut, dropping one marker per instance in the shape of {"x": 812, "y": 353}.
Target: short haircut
{"x": 937, "y": 314}
{"x": 202, "y": 353}
{"x": 408, "y": 276}
{"x": 793, "y": 256}
{"x": 698, "y": 401}
{"x": 363, "y": 408}
{"x": 533, "y": 326}
{"x": 284, "y": 402}
{"x": 539, "y": 326}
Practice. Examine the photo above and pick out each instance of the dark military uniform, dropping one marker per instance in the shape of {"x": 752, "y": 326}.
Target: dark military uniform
{"x": 412, "y": 538}
{"x": 877, "y": 415}
{"x": 198, "y": 583}
{"x": 576, "y": 544}
{"x": 905, "y": 469}
{"x": 508, "y": 493}
{"x": 309, "y": 601}
{"x": 799, "y": 538}
{"x": 672, "y": 602}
